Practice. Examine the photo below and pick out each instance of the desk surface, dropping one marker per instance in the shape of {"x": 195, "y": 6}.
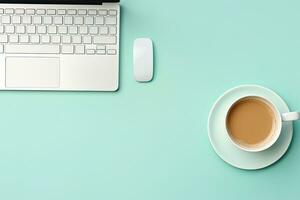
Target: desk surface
{"x": 149, "y": 141}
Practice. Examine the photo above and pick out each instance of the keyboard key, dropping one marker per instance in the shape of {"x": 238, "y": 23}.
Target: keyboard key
{"x": 31, "y": 29}
{"x": 101, "y": 52}
{"x": 40, "y": 11}
{"x": 41, "y": 29}
{"x": 71, "y": 12}
{"x": 112, "y": 12}
{"x": 99, "y": 20}
{"x": 66, "y": 39}
{"x": 82, "y": 12}
{"x": 93, "y": 30}
{"x": 20, "y": 11}
{"x": 52, "y": 29}
{"x": 102, "y": 12}
{"x": 1, "y": 29}
{"x": 61, "y": 12}
{"x": 55, "y": 39}
{"x": 24, "y": 38}
{"x": 26, "y": 19}
{"x": 105, "y": 40}
{"x": 51, "y": 12}
{"x": 3, "y": 38}
{"x": 58, "y": 20}
{"x": 1, "y": 10}
{"x": 67, "y": 49}
{"x": 5, "y": 19}
{"x": 100, "y": 47}
{"x": 13, "y": 38}
{"x": 78, "y": 20}
{"x": 16, "y": 20}
{"x": 37, "y": 20}
{"x": 103, "y": 30}
{"x": 9, "y": 11}
{"x": 90, "y": 51}
{"x": 90, "y": 46}
{"x": 62, "y": 29}
{"x": 9, "y": 29}
{"x": 113, "y": 30}
{"x": 76, "y": 39}
{"x": 1, "y": 48}
{"x": 47, "y": 20}
{"x": 111, "y": 52}
{"x": 87, "y": 39}
{"x": 68, "y": 20}
{"x": 83, "y": 30}
{"x": 34, "y": 38}
{"x": 89, "y": 20}
{"x": 110, "y": 20}
{"x": 36, "y": 49}
{"x": 20, "y": 29}
{"x": 45, "y": 39}
{"x": 30, "y": 11}
{"x": 92, "y": 12}
{"x": 73, "y": 30}
{"x": 79, "y": 49}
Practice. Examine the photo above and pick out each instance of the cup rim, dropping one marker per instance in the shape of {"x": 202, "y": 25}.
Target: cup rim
{"x": 276, "y": 133}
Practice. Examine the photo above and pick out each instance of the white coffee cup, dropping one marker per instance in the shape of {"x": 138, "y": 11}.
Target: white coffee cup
{"x": 280, "y": 118}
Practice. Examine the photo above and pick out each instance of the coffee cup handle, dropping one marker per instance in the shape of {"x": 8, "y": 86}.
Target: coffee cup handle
{"x": 290, "y": 116}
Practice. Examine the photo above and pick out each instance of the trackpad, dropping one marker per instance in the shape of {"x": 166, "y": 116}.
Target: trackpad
{"x": 32, "y": 72}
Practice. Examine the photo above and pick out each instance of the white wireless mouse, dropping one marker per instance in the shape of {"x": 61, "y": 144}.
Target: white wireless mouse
{"x": 143, "y": 59}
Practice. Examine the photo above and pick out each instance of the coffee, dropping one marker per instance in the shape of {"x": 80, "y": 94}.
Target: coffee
{"x": 251, "y": 122}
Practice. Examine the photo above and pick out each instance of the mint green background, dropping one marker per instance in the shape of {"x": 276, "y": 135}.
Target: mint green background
{"x": 149, "y": 141}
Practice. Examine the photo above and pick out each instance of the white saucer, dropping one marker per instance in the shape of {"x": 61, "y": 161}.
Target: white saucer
{"x": 227, "y": 150}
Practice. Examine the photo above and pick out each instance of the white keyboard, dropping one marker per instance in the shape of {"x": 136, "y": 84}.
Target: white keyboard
{"x": 58, "y": 31}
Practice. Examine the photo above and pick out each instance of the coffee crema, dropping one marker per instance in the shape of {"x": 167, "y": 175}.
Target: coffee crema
{"x": 251, "y": 122}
